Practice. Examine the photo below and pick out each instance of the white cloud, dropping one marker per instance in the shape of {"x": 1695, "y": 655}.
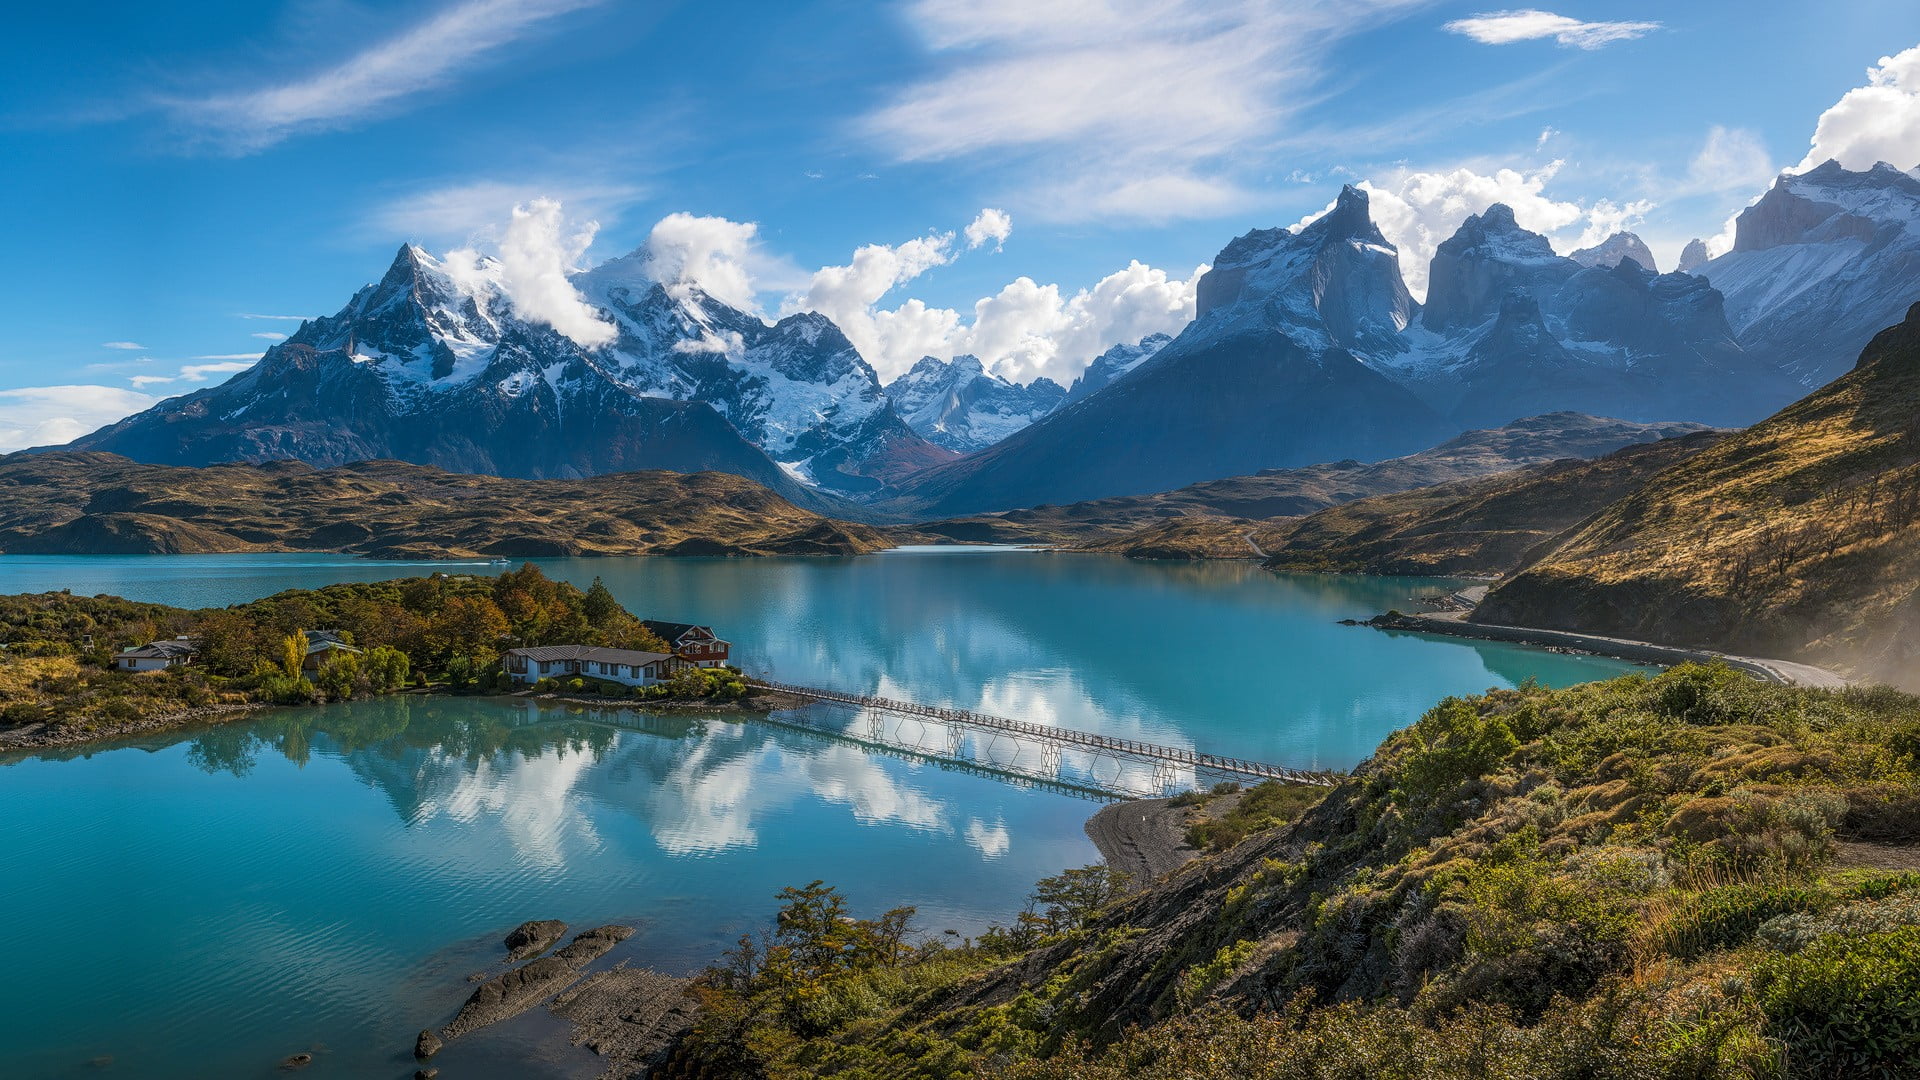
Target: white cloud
{"x": 1732, "y": 159}
{"x": 721, "y": 257}
{"x": 1876, "y": 122}
{"x": 1416, "y": 210}
{"x": 200, "y": 372}
{"x": 990, "y": 224}
{"x": 49, "y": 415}
{"x": 537, "y": 253}
{"x": 236, "y": 356}
{"x": 269, "y": 335}
{"x": 275, "y": 318}
{"x": 1547, "y": 134}
{"x": 121, "y": 345}
{"x": 1507, "y": 27}
{"x": 372, "y": 80}
{"x": 1125, "y": 107}
{"x": 847, "y": 295}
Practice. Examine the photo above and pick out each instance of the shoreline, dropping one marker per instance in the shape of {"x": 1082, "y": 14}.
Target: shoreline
{"x": 1145, "y": 838}
{"x": 1454, "y": 624}
{"x": 38, "y": 737}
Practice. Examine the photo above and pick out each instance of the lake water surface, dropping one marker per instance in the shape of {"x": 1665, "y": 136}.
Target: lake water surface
{"x": 208, "y": 902}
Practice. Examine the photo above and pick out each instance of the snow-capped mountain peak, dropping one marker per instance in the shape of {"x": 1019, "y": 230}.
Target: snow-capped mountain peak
{"x": 958, "y": 404}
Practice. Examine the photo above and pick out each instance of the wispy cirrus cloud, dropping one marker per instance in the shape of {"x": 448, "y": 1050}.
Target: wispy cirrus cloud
{"x": 1529, "y": 24}
{"x": 1123, "y": 108}
{"x": 131, "y": 346}
{"x": 275, "y": 318}
{"x": 371, "y": 82}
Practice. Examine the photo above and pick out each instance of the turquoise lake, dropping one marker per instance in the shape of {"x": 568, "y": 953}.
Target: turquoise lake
{"x": 207, "y": 902}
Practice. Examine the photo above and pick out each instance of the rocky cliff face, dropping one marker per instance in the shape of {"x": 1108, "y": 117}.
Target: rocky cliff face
{"x": 1693, "y": 256}
{"x": 1114, "y": 363}
{"x": 957, "y": 404}
{"x": 420, "y": 368}
{"x": 1512, "y": 329}
{"x": 1608, "y": 253}
{"x": 1265, "y": 377}
{"x": 1822, "y": 262}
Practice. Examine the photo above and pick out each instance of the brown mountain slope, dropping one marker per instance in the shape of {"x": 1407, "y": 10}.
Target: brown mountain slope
{"x": 1799, "y": 537}
{"x": 90, "y": 502}
{"x": 1481, "y": 527}
{"x": 1276, "y": 493}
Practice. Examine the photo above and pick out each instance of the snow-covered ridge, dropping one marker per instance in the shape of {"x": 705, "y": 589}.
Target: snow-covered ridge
{"x": 958, "y": 404}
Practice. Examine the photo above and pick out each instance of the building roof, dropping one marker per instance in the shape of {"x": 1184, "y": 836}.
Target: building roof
{"x": 672, "y": 632}
{"x": 160, "y": 650}
{"x": 594, "y": 653}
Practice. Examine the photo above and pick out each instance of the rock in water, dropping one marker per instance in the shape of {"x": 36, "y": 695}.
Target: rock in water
{"x": 516, "y": 991}
{"x": 427, "y": 1045}
{"x": 297, "y": 1061}
{"x": 533, "y": 937}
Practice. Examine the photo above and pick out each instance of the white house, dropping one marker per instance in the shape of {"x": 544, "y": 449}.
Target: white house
{"x": 624, "y": 666}
{"x": 156, "y": 655}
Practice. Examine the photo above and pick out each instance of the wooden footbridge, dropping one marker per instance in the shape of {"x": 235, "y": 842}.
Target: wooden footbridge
{"x": 1168, "y": 763}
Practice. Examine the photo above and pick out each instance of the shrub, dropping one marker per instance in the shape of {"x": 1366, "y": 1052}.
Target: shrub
{"x": 1847, "y": 1005}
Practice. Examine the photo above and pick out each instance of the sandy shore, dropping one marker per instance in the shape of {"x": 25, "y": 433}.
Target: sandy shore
{"x": 1144, "y": 837}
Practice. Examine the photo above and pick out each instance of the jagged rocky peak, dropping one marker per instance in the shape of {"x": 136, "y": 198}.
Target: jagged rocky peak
{"x": 1830, "y": 203}
{"x": 1693, "y": 256}
{"x": 959, "y": 405}
{"x": 1609, "y": 252}
{"x": 1486, "y": 258}
{"x": 1337, "y": 270}
{"x": 1109, "y": 366}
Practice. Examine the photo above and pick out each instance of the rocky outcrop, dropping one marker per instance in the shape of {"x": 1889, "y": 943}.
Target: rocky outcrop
{"x": 533, "y": 937}
{"x": 1819, "y": 265}
{"x": 515, "y": 991}
{"x": 1111, "y": 365}
{"x": 1610, "y": 252}
{"x": 1693, "y": 256}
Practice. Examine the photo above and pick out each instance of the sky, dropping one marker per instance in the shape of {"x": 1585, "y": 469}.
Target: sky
{"x": 1028, "y": 182}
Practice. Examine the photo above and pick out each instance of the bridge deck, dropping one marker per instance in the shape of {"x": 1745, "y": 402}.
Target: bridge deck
{"x": 1067, "y": 736}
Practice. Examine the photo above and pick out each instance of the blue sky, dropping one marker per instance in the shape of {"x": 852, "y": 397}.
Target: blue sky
{"x": 176, "y": 169}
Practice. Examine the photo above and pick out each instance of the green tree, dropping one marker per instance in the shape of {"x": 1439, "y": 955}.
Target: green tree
{"x": 599, "y": 606}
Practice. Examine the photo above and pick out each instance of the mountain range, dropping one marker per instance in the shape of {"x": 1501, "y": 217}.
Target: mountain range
{"x": 1306, "y": 347}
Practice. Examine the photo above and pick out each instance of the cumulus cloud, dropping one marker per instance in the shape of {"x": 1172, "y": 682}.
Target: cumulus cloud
{"x": 370, "y": 81}
{"x": 1732, "y": 159}
{"x": 847, "y": 294}
{"x": 1876, "y": 122}
{"x": 121, "y": 345}
{"x": 1023, "y": 331}
{"x": 722, "y": 257}
{"x": 537, "y": 253}
{"x": 1416, "y": 210}
{"x": 49, "y": 415}
{"x": 990, "y": 224}
{"x": 1153, "y": 96}
{"x": 1508, "y": 27}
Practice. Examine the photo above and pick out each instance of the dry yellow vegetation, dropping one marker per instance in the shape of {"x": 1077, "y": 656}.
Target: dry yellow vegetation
{"x": 1799, "y": 537}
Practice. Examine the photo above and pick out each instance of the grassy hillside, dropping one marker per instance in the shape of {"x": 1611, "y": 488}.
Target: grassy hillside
{"x": 1277, "y": 493}
{"x": 1483, "y": 527}
{"x": 1688, "y": 875}
{"x": 103, "y": 503}
{"x": 1797, "y": 538}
